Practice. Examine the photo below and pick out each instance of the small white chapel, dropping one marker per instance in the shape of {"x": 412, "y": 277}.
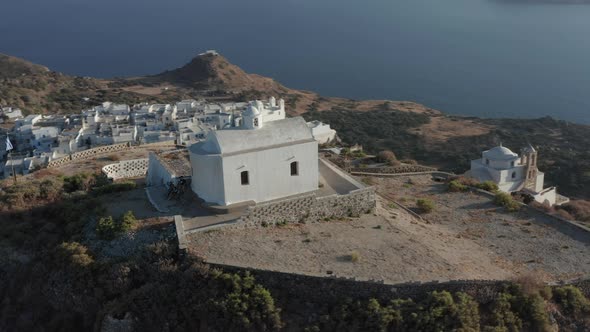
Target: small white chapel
{"x": 512, "y": 173}
{"x": 265, "y": 156}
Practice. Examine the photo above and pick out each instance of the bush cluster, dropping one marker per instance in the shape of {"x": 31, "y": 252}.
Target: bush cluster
{"x": 488, "y": 186}
{"x": 78, "y": 182}
{"x": 425, "y": 205}
{"x": 572, "y": 301}
{"x": 505, "y": 200}
{"x": 438, "y": 311}
{"x": 108, "y": 227}
{"x": 456, "y": 186}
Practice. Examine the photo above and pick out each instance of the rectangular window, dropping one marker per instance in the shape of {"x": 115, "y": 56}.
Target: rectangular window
{"x": 244, "y": 177}
{"x": 294, "y": 168}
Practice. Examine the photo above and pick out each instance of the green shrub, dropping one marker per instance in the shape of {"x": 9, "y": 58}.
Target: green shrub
{"x": 502, "y": 315}
{"x": 425, "y": 205}
{"x": 128, "y": 222}
{"x": 515, "y": 310}
{"x": 73, "y": 254}
{"x": 438, "y": 311}
{"x": 488, "y": 186}
{"x": 76, "y": 182}
{"x": 456, "y": 186}
{"x": 107, "y": 228}
{"x": 243, "y": 305}
{"x": 572, "y": 301}
{"x": 505, "y": 200}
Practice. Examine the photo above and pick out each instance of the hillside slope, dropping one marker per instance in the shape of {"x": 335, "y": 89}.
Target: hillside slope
{"x": 37, "y": 89}
{"x": 409, "y": 129}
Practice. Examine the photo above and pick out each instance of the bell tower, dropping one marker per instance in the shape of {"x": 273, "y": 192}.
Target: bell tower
{"x": 529, "y": 159}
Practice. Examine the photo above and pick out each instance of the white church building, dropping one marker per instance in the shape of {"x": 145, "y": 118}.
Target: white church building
{"x": 512, "y": 173}
{"x": 264, "y": 157}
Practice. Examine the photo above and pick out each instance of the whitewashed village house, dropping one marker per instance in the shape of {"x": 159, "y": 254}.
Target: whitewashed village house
{"x": 513, "y": 173}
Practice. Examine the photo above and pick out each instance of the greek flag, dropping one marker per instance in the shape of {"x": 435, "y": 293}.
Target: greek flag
{"x": 8, "y": 144}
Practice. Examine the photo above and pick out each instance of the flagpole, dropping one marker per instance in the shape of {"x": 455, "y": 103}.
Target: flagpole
{"x": 12, "y": 164}
{"x": 9, "y": 149}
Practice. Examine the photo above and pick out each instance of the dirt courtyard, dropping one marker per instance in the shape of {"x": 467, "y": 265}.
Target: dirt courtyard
{"x": 465, "y": 237}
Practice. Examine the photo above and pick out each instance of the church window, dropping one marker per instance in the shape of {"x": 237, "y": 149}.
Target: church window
{"x": 487, "y": 161}
{"x": 256, "y": 122}
{"x": 513, "y": 175}
{"x": 245, "y": 178}
{"x": 512, "y": 164}
{"x": 294, "y": 168}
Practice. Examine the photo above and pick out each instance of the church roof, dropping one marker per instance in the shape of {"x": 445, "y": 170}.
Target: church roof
{"x": 500, "y": 153}
{"x": 251, "y": 110}
{"x": 238, "y": 140}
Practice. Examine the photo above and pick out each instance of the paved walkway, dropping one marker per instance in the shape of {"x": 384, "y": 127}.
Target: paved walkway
{"x": 205, "y": 222}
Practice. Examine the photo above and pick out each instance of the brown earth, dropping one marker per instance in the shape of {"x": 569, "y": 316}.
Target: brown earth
{"x": 466, "y": 237}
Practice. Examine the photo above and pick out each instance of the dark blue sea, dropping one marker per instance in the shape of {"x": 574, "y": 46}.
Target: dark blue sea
{"x": 489, "y": 58}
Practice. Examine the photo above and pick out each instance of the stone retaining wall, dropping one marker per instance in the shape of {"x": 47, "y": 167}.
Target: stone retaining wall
{"x": 98, "y": 151}
{"x": 126, "y": 169}
{"x": 309, "y": 208}
{"x": 393, "y": 169}
{"x": 331, "y": 290}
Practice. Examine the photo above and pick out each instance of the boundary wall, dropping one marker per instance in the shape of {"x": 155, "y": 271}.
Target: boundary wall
{"x": 126, "y": 169}
{"x": 393, "y": 169}
{"x": 309, "y": 208}
{"x": 332, "y": 290}
{"x": 98, "y": 151}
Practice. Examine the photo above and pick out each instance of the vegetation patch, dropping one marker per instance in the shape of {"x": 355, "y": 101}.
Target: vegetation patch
{"x": 505, "y": 200}
{"x": 456, "y": 186}
{"x": 108, "y": 228}
{"x": 488, "y": 186}
{"x": 425, "y": 205}
{"x": 115, "y": 187}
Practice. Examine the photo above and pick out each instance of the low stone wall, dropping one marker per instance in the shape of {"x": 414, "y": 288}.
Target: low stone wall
{"x": 393, "y": 169}
{"x": 98, "y": 151}
{"x": 309, "y": 208}
{"x": 89, "y": 153}
{"x": 331, "y": 290}
{"x": 126, "y": 169}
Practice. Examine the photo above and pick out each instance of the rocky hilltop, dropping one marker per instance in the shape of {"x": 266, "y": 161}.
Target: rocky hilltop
{"x": 412, "y": 130}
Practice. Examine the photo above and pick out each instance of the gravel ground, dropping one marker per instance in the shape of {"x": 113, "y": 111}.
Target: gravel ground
{"x": 466, "y": 237}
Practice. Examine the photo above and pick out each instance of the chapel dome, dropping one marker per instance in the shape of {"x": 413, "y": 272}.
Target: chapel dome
{"x": 500, "y": 153}
{"x": 251, "y": 111}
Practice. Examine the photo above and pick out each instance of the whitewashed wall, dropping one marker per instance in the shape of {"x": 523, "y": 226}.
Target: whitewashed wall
{"x": 269, "y": 173}
{"x": 126, "y": 169}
